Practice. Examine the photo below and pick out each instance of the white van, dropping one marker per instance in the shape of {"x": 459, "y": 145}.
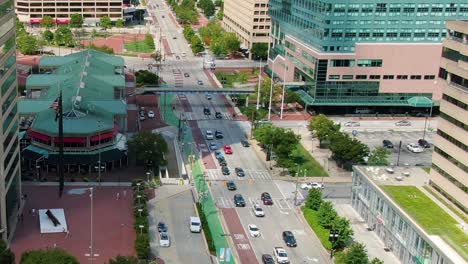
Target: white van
{"x": 195, "y": 224}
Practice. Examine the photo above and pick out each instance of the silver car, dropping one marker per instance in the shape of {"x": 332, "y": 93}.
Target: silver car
{"x": 403, "y": 123}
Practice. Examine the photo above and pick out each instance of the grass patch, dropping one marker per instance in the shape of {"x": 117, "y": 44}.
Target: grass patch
{"x": 429, "y": 216}
{"x": 206, "y": 230}
{"x": 323, "y": 234}
{"x": 306, "y": 161}
{"x": 448, "y": 205}
{"x": 139, "y": 46}
{"x": 427, "y": 169}
{"x": 227, "y": 79}
{"x": 249, "y": 110}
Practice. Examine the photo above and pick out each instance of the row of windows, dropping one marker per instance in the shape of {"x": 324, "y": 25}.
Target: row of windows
{"x": 405, "y": 11}
{"x": 378, "y": 77}
{"x": 65, "y": 4}
{"x": 348, "y": 35}
{"x": 261, "y": 5}
{"x": 449, "y": 197}
{"x": 450, "y": 178}
{"x": 454, "y": 101}
{"x": 452, "y": 140}
{"x": 454, "y": 121}
{"x": 453, "y": 160}
{"x": 261, "y": 27}
{"x": 352, "y": 63}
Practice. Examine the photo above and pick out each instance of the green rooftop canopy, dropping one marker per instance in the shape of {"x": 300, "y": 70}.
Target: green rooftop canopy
{"x": 420, "y": 101}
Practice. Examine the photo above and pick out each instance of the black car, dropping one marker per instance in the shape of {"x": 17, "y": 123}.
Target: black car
{"x": 162, "y": 227}
{"x": 219, "y": 134}
{"x": 225, "y": 170}
{"x": 387, "y": 143}
{"x": 267, "y": 259}
{"x": 245, "y": 143}
{"x": 206, "y": 111}
{"x": 222, "y": 161}
{"x": 240, "y": 172}
{"x": 186, "y": 74}
{"x": 288, "y": 237}
{"x": 239, "y": 200}
{"x": 231, "y": 186}
{"x": 218, "y": 115}
{"x": 423, "y": 143}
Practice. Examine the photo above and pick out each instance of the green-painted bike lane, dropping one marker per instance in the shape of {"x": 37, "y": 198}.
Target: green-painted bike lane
{"x": 205, "y": 197}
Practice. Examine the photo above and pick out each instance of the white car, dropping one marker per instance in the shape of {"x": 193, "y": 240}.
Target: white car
{"x": 253, "y": 230}
{"x": 403, "y": 123}
{"x": 311, "y": 185}
{"x": 280, "y": 255}
{"x": 164, "y": 240}
{"x": 258, "y": 211}
{"x": 414, "y": 147}
{"x": 352, "y": 124}
{"x": 151, "y": 114}
{"x": 209, "y": 135}
{"x": 213, "y": 146}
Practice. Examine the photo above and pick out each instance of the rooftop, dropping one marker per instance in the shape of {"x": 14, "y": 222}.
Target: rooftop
{"x": 403, "y": 185}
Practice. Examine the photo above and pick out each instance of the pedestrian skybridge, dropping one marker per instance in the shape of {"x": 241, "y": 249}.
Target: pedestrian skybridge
{"x": 191, "y": 90}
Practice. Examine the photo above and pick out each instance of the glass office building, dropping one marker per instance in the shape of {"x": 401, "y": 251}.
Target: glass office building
{"x": 10, "y": 180}
{"x": 362, "y": 53}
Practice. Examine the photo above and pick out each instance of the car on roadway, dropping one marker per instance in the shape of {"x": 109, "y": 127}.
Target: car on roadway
{"x": 206, "y": 111}
{"x": 239, "y": 172}
{"x": 239, "y": 200}
{"x": 164, "y": 240}
{"x": 280, "y": 255}
{"x": 219, "y": 154}
{"x": 267, "y": 259}
{"x": 403, "y": 123}
{"x": 163, "y": 15}
{"x": 218, "y": 115}
{"x": 387, "y": 143}
{"x": 200, "y": 82}
{"x": 151, "y": 114}
{"x": 415, "y": 148}
{"x": 225, "y": 170}
{"x": 231, "y": 186}
{"x": 227, "y": 149}
{"x": 213, "y": 146}
{"x": 258, "y": 211}
{"x": 245, "y": 143}
{"x": 254, "y": 231}
{"x": 186, "y": 74}
{"x": 311, "y": 185}
{"x": 207, "y": 96}
{"x": 219, "y": 134}
{"x": 423, "y": 143}
{"x": 352, "y": 124}
{"x": 177, "y": 57}
{"x": 174, "y": 37}
{"x": 162, "y": 227}
{"x": 266, "y": 198}
{"x": 289, "y": 239}
{"x": 209, "y": 135}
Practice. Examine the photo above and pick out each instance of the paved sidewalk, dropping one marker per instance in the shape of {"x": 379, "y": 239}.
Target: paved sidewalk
{"x": 375, "y": 247}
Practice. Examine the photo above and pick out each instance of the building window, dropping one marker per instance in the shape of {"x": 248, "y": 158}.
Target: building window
{"x": 402, "y": 77}
{"x": 429, "y": 77}
{"x": 388, "y": 77}
{"x": 342, "y": 63}
{"x": 442, "y": 73}
{"x": 415, "y": 77}
{"x": 361, "y": 77}
{"x": 334, "y": 77}
{"x": 374, "y": 77}
{"x": 453, "y": 160}
{"x": 455, "y": 102}
{"x": 454, "y": 121}
{"x": 452, "y": 140}
{"x": 347, "y": 77}
{"x": 369, "y": 63}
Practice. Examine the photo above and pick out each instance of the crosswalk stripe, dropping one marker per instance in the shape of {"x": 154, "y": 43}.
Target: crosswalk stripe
{"x": 226, "y": 202}
{"x": 216, "y": 174}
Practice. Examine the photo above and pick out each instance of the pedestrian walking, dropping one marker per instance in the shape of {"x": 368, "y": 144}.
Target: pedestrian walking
{"x": 118, "y": 196}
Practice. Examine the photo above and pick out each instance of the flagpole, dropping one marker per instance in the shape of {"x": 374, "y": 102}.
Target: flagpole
{"x": 60, "y": 136}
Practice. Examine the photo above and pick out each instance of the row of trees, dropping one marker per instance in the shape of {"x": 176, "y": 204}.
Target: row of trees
{"x": 76, "y": 21}
{"x": 207, "y": 6}
{"x": 346, "y": 150}
{"x": 221, "y": 42}
{"x": 185, "y": 11}
{"x": 195, "y": 41}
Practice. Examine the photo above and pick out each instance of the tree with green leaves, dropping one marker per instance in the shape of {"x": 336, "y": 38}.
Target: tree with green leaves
{"x": 63, "y": 36}
{"x": 196, "y": 44}
{"x": 314, "y": 200}
{"x": 144, "y": 77}
{"x": 105, "y": 22}
{"x": 323, "y": 127}
{"x": 207, "y": 6}
{"x": 326, "y": 214}
{"x": 345, "y": 232}
{"x": 348, "y": 150}
{"x": 220, "y": 14}
{"x": 76, "y": 21}
{"x": 188, "y": 32}
{"x": 379, "y": 157}
{"x": 19, "y": 27}
{"x": 212, "y": 31}
{"x": 157, "y": 56}
{"x": 47, "y": 256}
{"x": 291, "y": 97}
{"x": 376, "y": 261}
{"x": 6, "y": 255}
{"x": 355, "y": 254}
{"x": 219, "y": 3}
{"x": 124, "y": 260}
{"x": 231, "y": 42}
{"x": 259, "y": 51}
{"x": 48, "y": 36}
{"x": 119, "y": 23}
{"x": 265, "y": 87}
{"x": 148, "y": 148}
{"x": 27, "y": 44}
{"x": 47, "y": 22}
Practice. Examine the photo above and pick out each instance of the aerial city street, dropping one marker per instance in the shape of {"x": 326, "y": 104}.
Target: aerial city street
{"x": 224, "y": 131}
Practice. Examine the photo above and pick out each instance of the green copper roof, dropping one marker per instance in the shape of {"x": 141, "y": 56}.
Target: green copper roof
{"x": 420, "y": 101}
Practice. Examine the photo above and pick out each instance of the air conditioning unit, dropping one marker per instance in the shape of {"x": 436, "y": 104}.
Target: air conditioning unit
{"x": 85, "y": 73}
{"x": 87, "y": 63}
{"x": 82, "y": 85}
{"x": 78, "y": 99}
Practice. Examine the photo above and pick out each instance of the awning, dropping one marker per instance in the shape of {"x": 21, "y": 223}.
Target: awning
{"x": 102, "y": 136}
{"x": 35, "y": 20}
{"x": 420, "y": 101}
{"x": 38, "y": 135}
{"x": 87, "y": 159}
{"x": 30, "y": 155}
{"x": 62, "y": 20}
{"x": 71, "y": 140}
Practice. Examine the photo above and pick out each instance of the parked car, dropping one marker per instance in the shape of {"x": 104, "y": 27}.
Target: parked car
{"x": 227, "y": 149}
{"x": 245, "y": 143}
{"x": 222, "y": 161}
{"x": 403, "y": 123}
{"x": 200, "y": 82}
{"x": 239, "y": 172}
{"x": 174, "y": 37}
{"x": 267, "y": 259}
{"x": 186, "y": 74}
{"x": 164, "y": 240}
{"x": 352, "y": 124}
{"x": 415, "y": 148}
{"x": 253, "y": 230}
{"x": 423, "y": 143}
{"x": 213, "y": 146}
{"x": 225, "y": 170}
{"x": 231, "y": 186}
{"x": 177, "y": 57}
{"x": 266, "y": 198}
{"x": 218, "y": 115}
{"x": 239, "y": 200}
{"x": 311, "y": 185}
{"x": 387, "y": 143}
{"x": 219, "y": 134}
{"x": 209, "y": 135}
{"x": 162, "y": 227}
{"x": 206, "y": 111}
{"x": 208, "y": 96}
{"x": 289, "y": 239}
{"x": 151, "y": 114}
{"x": 258, "y": 211}
{"x": 219, "y": 154}
{"x": 281, "y": 255}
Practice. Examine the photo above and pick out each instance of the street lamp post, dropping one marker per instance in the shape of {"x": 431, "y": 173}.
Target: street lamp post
{"x": 271, "y": 88}
{"x": 147, "y": 176}
{"x": 141, "y": 228}
{"x": 259, "y": 83}
{"x": 333, "y": 238}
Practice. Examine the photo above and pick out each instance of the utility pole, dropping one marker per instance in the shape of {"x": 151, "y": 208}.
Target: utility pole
{"x": 271, "y": 88}
{"x": 297, "y": 185}
{"x": 284, "y": 88}
{"x": 259, "y": 83}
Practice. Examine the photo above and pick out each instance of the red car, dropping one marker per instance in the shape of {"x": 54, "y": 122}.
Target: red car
{"x": 227, "y": 149}
{"x": 266, "y": 198}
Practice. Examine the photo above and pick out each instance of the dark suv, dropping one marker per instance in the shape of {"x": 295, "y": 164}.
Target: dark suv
{"x": 267, "y": 259}
{"x": 231, "y": 186}
{"x": 423, "y": 143}
{"x": 218, "y": 115}
{"x": 225, "y": 170}
{"x": 387, "y": 143}
{"x": 289, "y": 239}
{"x": 218, "y": 134}
{"x": 239, "y": 200}
{"x": 206, "y": 111}
{"x": 222, "y": 161}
